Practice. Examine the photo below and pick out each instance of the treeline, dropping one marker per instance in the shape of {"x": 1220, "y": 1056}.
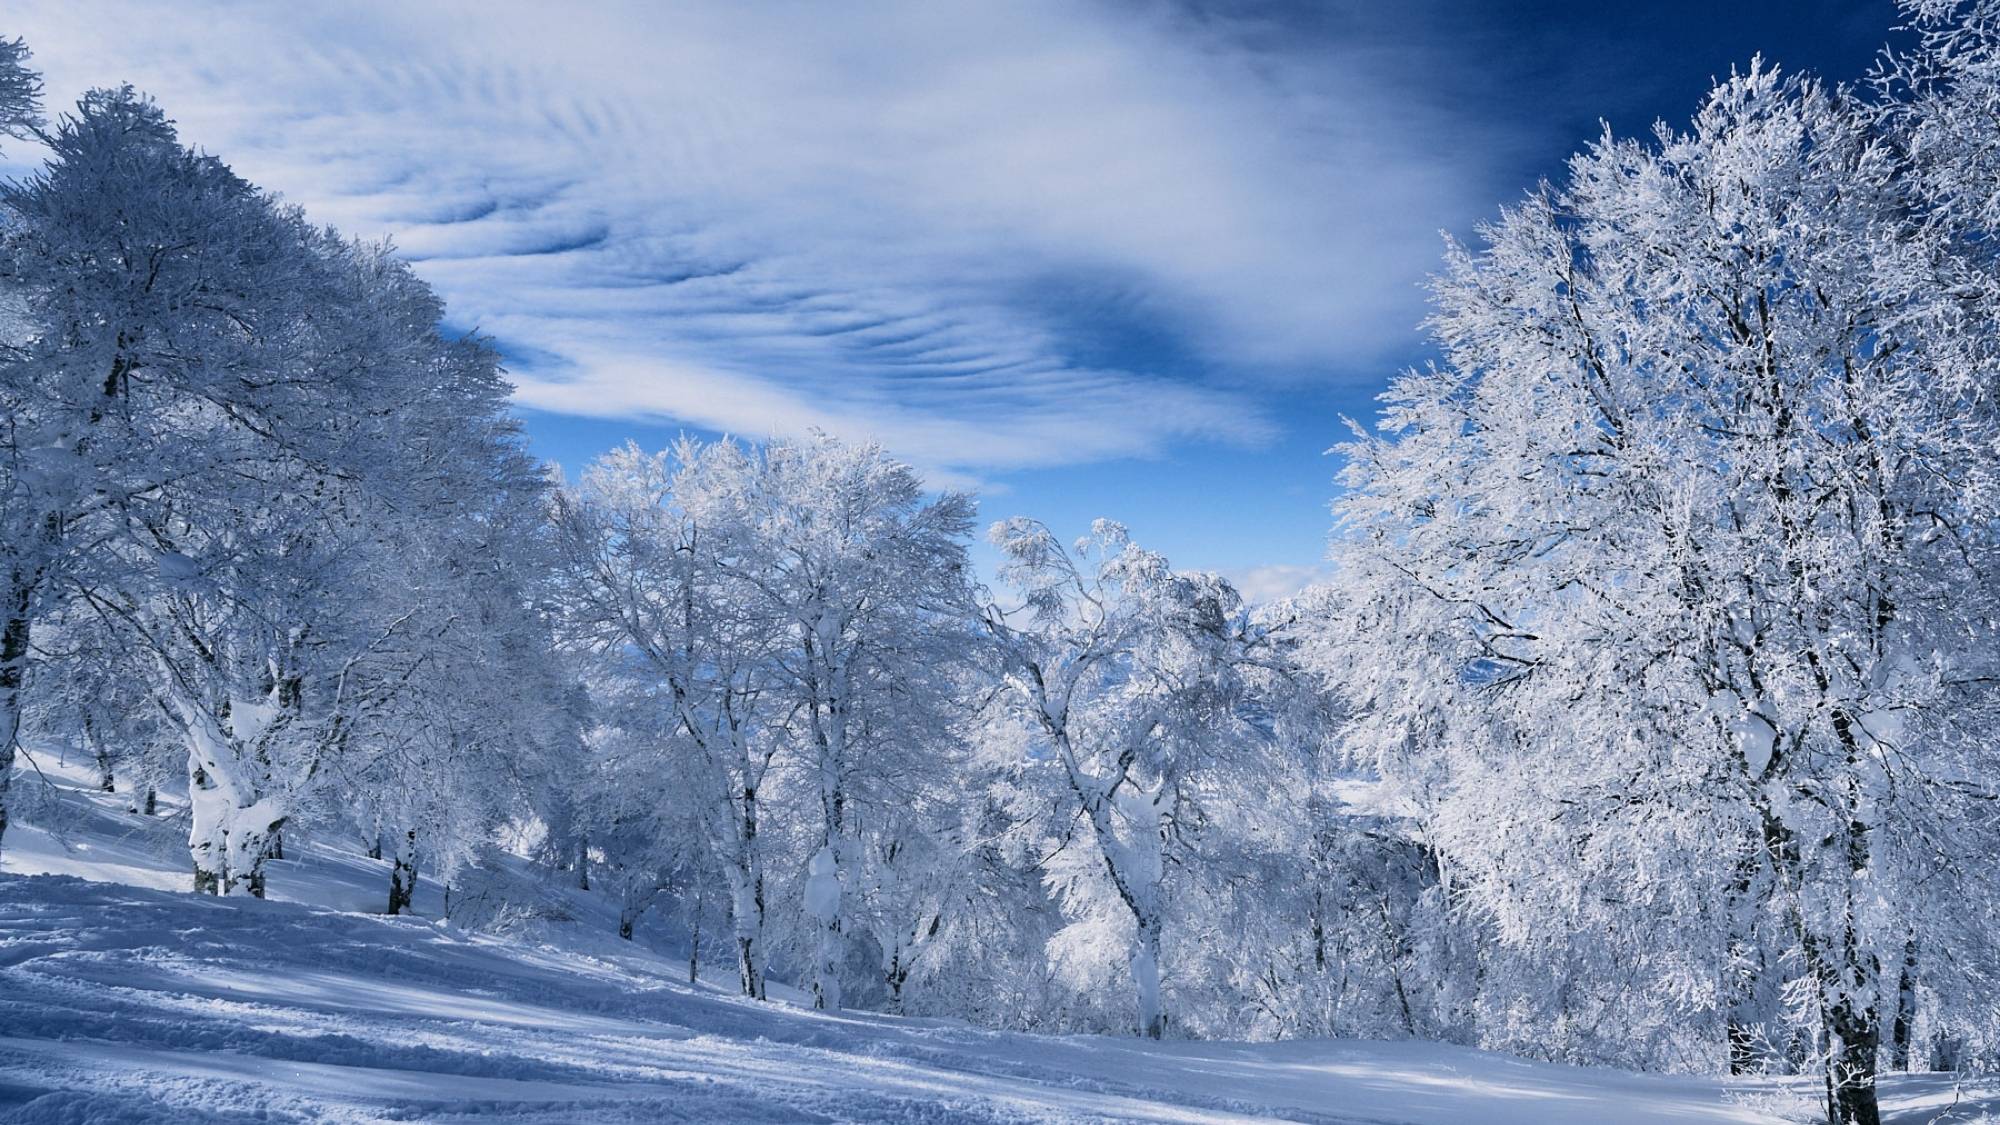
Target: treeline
{"x": 1648, "y": 720}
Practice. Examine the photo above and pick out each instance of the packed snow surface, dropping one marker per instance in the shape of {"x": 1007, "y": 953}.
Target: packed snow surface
{"x": 126, "y": 999}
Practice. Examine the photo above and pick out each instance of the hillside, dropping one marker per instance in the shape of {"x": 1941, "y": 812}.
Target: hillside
{"x": 123, "y": 999}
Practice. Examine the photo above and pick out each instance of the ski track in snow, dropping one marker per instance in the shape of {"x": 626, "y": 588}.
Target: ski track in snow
{"x": 124, "y": 999}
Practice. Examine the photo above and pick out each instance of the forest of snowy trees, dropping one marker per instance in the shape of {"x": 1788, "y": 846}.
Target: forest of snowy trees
{"x": 1649, "y": 717}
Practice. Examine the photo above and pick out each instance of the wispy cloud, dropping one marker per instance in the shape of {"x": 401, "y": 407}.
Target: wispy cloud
{"x": 908, "y": 220}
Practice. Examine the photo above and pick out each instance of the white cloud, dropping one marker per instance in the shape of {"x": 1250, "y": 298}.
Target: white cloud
{"x": 901, "y": 219}
{"x": 1260, "y": 584}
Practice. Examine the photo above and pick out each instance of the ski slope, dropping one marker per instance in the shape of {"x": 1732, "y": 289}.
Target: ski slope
{"x": 125, "y": 999}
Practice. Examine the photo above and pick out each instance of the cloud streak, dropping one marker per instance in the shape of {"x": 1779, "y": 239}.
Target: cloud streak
{"x": 911, "y": 221}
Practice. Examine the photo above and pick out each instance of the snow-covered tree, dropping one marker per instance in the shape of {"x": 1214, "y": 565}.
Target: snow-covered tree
{"x": 155, "y": 292}
{"x": 645, "y": 589}
{"x": 862, "y": 579}
{"x": 797, "y": 598}
{"x": 20, "y": 91}
{"x": 447, "y": 726}
{"x": 1679, "y": 569}
{"x": 1126, "y": 672}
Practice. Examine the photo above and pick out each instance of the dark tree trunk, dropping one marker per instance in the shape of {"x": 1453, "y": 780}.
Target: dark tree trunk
{"x": 746, "y": 968}
{"x": 1853, "y": 1077}
{"x": 1747, "y": 980}
{"x": 254, "y": 880}
{"x": 402, "y": 887}
{"x": 152, "y": 804}
{"x": 750, "y": 877}
{"x": 895, "y": 976}
{"x": 1854, "y": 1041}
{"x": 13, "y": 668}
{"x": 1906, "y": 1010}
{"x": 694, "y": 934}
{"x": 403, "y": 875}
{"x": 100, "y": 755}
{"x": 1854, "y": 1018}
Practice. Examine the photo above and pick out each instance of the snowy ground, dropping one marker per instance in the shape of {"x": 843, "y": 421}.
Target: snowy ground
{"x": 125, "y": 999}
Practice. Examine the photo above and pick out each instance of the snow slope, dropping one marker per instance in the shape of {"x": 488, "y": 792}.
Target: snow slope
{"x": 125, "y": 999}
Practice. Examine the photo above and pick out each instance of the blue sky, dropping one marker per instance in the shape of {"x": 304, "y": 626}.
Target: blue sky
{"x": 1129, "y": 259}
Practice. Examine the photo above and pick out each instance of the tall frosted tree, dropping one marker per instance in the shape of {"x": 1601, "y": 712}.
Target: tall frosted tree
{"x": 647, "y": 594}
{"x": 797, "y": 598}
{"x": 448, "y": 706}
{"x": 1124, "y": 670}
{"x": 153, "y": 293}
{"x": 1683, "y": 568}
{"x": 863, "y": 579}
{"x": 26, "y": 560}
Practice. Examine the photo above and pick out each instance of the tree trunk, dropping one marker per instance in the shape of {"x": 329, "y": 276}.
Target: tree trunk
{"x": 827, "y": 717}
{"x": 826, "y": 979}
{"x": 231, "y": 827}
{"x": 825, "y": 899}
{"x": 100, "y": 754}
{"x": 748, "y": 975}
{"x": 249, "y": 835}
{"x": 583, "y": 862}
{"x": 746, "y": 914}
{"x": 13, "y": 670}
{"x": 895, "y": 975}
{"x": 402, "y": 886}
{"x": 206, "y": 846}
{"x": 1906, "y": 1009}
{"x": 1853, "y": 1018}
{"x": 745, "y": 874}
{"x": 631, "y": 904}
{"x": 403, "y": 874}
{"x": 1146, "y": 979}
{"x": 1850, "y": 1076}
{"x": 694, "y": 933}
{"x": 1139, "y": 891}
{"x": 1946, "y": 1051}
{"x": 1853, "y": 1030}
{"x": 823, "y": 904}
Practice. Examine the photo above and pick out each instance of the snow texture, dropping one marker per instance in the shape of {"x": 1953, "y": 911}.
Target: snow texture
{"x": 125, "y": 999}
